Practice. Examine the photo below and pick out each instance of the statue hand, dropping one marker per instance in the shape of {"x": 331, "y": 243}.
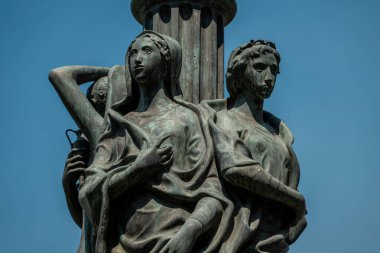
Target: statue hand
{"x": 155, "y": 155}
{"x": 184, "y": 240}
{"x": 300, "y": 210}
{"x": 75, "y": 165}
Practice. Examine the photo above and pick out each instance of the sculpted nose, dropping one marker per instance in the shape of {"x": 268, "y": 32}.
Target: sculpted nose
{"x": 138, "y": 58}
{"x": 269, "y": 79}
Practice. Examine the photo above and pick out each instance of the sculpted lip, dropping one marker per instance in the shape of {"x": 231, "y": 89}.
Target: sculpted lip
{"x": 138, "y": 69}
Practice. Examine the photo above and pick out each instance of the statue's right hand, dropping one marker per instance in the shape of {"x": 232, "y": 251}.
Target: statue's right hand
{"x": 75, "y": 166}
{"x": 300, "y": 210}
{"x": 155, "y": 155}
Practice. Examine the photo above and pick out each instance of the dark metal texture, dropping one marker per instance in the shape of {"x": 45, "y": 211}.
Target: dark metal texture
{"x": 226, "y": 8}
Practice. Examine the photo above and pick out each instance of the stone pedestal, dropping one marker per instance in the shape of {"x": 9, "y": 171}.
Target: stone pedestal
{"x": 198, "y": 25}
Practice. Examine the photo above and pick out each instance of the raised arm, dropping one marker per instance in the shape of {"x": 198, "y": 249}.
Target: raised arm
{"x": 66, "y": 81}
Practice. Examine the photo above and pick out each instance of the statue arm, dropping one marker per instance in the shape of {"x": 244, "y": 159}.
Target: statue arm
{"x": 239, "y": 169}
{"x": 254, "y": 179}
{"x": 208, "y": 209}
{"x": 294, "y": 177}
{"x": 71, "y": 195}
{"x": 205, "y": 213}
{"x": 66, "y": 81}
{"x": 73, "y": 175}
{"x": 150, "y": 160}
{"x": 131, "y": 176}
{"x": 297, "y": 230}
{"x": 203, "y": 217}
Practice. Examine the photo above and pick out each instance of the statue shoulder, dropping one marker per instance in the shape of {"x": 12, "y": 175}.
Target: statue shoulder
{"x": 214, "y": 106}
{"x": 280, "y": 126}
{"x": 187, "y": 115}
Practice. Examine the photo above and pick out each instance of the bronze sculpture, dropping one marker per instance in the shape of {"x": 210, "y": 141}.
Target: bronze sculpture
{"x": 255, "y": 157}
{"x": 155, "y": 173}
{"x": 78, "y": 158}
{"x": 153, "y": 159}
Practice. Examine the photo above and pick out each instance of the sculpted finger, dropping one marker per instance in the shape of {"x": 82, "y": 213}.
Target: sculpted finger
{"x": 168, "y": 161}
{"x": 162, "y": 140}
{"x": 165, "y": 249}
{"x": 71, "y": 154}
{"x": 80, "y": 150}
{"x": 75, "y": 151}
{"x": 76, "y": 171}
{"x": 164, "y": 158}
{"x": 76, "y": 165}
{"x": 165, "y": 163}
{"x": 77, "y": 158}
{"x": 165, "y": 150}
{"x": 167, "y": 157}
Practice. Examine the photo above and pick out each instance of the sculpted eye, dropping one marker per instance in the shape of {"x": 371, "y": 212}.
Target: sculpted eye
{"x": 260, "y": 67}
{"x": 133, "y": 53}
{"x": 147, "y": 50}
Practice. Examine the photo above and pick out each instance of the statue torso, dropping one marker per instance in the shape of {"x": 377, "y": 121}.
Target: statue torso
{"x": 265, "y": 144}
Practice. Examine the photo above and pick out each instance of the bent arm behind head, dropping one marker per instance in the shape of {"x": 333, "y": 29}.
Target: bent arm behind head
{"x": 66, "y": 81}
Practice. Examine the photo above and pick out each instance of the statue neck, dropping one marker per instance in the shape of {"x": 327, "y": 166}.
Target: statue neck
{"x": 250, "y": 107}
{"x": 151, "y": 97}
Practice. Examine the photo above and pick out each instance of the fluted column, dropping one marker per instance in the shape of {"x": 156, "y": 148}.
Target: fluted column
{"x": 198, "y": 25}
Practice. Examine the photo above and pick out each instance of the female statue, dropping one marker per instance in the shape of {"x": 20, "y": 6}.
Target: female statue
{"x": 255, "y": 156}
{"x": 88, "y": 112}
{"x": 78, "y": 158}
{"x": 153, "y": 186}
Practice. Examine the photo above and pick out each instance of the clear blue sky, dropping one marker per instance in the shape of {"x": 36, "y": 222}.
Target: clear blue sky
{"x": 327, "y": 92}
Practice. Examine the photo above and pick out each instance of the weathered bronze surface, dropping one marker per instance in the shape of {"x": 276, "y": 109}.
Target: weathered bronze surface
{"x": 253, "y": 149}
{"x": 151, "y": 171}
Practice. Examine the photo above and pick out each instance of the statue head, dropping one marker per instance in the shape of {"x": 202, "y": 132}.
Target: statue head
{"x": 160, "y": 59}
{"x": 252, "y": 70}
{"x": 97, "y": 94}
{"x": 154, "y": 57}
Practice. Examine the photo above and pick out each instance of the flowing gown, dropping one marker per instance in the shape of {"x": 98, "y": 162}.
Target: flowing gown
{"x": 154, "y": 205}
{"x": 260, "y": 225}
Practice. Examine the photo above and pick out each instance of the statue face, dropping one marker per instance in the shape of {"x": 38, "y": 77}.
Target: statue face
{"x": 98, "y": 96}
{"x": 145, "y": 61}
{"x": 260, "y": 76}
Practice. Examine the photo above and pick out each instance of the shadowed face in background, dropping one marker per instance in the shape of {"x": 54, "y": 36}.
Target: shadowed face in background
{"x": 98, "y": 95}
{"x": 145, "y": 62}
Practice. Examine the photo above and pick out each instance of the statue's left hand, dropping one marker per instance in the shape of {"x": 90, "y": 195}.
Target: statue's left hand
{"x": 184, "y": 239}
{"x": 74, "y": 168}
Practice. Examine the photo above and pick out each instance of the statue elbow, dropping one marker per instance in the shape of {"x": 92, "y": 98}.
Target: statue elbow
{"x": 54, "y": 75}
{"x": 231, "y": 175}
{"x": 58, "y": 74}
